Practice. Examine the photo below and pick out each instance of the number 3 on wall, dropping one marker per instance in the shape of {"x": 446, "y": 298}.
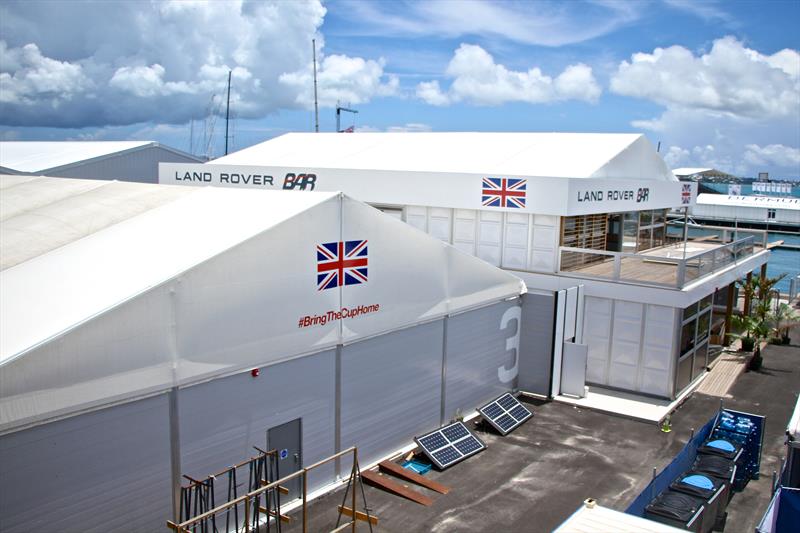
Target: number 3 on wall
{"x": 512, "y": 343}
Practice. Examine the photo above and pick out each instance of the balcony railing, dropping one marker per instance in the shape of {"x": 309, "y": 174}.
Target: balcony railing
{"x": 674, "y": 265}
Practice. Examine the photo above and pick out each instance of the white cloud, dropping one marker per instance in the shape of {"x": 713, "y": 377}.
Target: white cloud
{"x": 730, "y": 78}
{"x": 706, "y": 10}
{"x": 478, "y": 80}
{"x": 27, "y": 77}
{"x": 353, "y": 80}
{"x": 534, "y": 23}
{"x": 168, "y": 61}
{"x": 408, "y": 127}
{"x": 773, "y": 154}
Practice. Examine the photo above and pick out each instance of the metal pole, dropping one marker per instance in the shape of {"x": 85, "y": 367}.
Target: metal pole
{"x": 316, "y": 105}
{"x": 305, "y": 500}
{"x": 355, "y": 467}
{"x": 685, "y": 229}
{"x": 227, "y": 112}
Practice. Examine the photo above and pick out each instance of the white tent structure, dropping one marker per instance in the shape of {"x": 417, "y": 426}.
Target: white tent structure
{"x": 561, "y": 211}
{"x": 126, "y": 349}
{"x": 120, "y": 160}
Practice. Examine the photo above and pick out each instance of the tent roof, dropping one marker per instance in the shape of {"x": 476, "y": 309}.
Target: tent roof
{"x": 40, "y": 214}
{"x": 559, "y": 155}
{"x": 49, "y": 293}
{"x": 40, "y": 157}
{"x": 769, "y": 202}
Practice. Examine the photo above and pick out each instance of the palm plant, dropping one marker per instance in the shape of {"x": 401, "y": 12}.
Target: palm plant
{"x": 782, "y": 319}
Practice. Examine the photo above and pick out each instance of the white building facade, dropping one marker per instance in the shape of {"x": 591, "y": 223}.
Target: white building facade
{"x": 558, "y": 210}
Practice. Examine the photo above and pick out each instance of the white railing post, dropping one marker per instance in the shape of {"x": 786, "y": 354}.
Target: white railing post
{"x": 681, "y": 273}
{"x": 617, "y": 266}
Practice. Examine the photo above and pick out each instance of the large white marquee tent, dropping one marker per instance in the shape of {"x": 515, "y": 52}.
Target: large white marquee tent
{"x": 126, "y": 348}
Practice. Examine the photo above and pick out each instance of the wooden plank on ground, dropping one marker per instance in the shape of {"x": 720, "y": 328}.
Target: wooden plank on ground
{"x": 409, "y": 475}
{"x": 383, "y": 482}
{"x": 364, "y": 517}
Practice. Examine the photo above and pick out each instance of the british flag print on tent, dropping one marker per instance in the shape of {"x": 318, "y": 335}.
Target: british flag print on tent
{"x": 504, "y": 192}
{"x": 341, "y": 263}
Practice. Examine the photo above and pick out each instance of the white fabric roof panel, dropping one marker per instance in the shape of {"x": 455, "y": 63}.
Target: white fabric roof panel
{"x": 767, "y": 202}
{"x": 560, "y": 155}
{"x": 30, "y": 156}
{"x": 689, "y": 171}
{"x": 214, "y": 282}
{"x": 40, "y": 214}
{"x": 599, "y": 519}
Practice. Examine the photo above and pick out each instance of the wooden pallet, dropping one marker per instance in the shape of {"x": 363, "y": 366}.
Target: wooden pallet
{"x": 385, "y": 483}
{"x": 410, "y": 475}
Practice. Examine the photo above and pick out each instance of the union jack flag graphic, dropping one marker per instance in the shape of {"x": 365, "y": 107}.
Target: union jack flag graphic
{"x": 686, "y": 194}
{"x": 503, "y": 192}
{"x": 341, "y": 263}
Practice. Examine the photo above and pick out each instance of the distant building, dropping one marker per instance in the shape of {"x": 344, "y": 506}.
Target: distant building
{"x": 107, "y": 160}
{"x": 703, "y": 174}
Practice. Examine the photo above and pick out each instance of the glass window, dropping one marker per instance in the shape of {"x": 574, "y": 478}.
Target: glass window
{"x": 689, "y": 311}
{"x": 659, "y": 216}
{"x": 658, "y": 236}
{"x": 687, "y": 337}
{"x": 645, "y": 218}
{"x": 703, "y": 323}
{"x": 705, "y": 303}
{"x": 699, "y": 365}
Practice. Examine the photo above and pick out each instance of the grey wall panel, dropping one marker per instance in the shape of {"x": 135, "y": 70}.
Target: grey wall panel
{"x": 391, "y": 389}
{"x": 139, "y": 165}
{"x": 221, "y": 420}
{"x": 107, "y": 470}
{"x": 536, "y": 343}
{"x": 476, "y": 350}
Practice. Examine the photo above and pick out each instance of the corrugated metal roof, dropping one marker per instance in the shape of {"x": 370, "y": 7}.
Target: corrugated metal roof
{"x": 555, "y": 155}
{"x": 767, "y": 202}
{"x": 29, "y": 156}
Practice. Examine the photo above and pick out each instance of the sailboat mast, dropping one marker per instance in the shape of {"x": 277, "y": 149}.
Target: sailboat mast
{"x": 227, "y": 112}
{"x": 316, "y": 105}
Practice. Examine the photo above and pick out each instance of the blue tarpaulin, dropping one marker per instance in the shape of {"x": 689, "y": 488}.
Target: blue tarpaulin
{"x": 783, "y": 513}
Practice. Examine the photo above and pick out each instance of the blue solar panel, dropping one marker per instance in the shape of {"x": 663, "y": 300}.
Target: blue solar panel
{"x": 507, "y": 401}
{"x": 505, "y": 413}
{"x": 455, "y": 432}
{"x": 449, "y": 444}
{"x": 468, "y": 445}
{"x": 434, "y": 441}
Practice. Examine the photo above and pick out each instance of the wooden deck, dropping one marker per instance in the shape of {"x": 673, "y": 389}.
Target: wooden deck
{"x": 653, "y": 266}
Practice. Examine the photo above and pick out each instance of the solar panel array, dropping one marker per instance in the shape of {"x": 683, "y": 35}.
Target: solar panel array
{"x": 505, "y": 413}
{"x": 449, "y": 444}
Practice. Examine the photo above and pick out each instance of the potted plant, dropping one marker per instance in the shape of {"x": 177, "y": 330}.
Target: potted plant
{"x": 782, "y": 320}
{"x": 746, "y": 327}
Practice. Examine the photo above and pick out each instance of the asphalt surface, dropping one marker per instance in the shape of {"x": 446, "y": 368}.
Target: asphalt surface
{"x": 534, "y": 478}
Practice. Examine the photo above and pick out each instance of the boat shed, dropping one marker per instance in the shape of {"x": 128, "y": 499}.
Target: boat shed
{"x": 775, "y": 211}
{"x": 104, "y": 160}
{"x": 156, "y": 331}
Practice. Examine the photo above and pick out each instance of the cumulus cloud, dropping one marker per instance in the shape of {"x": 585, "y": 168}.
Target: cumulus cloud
{"x": 730, "y": 78}
{"x": 342, "y": 79}
{"x": 79, "y": 64}
{"x": 26, "y": 77}
{"x": 773, "y": 154}
{"x": 477, "y": 79}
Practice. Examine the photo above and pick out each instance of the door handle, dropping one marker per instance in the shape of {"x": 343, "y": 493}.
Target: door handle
{"x": 297, "y": 458}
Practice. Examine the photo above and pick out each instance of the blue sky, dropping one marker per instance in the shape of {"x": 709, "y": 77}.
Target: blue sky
{"x": 717, "y": 83}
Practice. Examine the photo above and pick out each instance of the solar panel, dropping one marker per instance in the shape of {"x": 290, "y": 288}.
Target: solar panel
{"x": 449, "y": 444}
{"x": 505, "y": 413}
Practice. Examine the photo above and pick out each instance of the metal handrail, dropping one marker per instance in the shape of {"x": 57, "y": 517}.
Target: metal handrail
{"x": 184, "y": 527}
{"x": 734, "y": 250}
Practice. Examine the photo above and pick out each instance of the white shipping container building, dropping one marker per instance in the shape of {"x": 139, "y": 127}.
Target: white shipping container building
{"x": 581, "y": 217}
{"x": 773, "y": 210}
{"x": 133, "y": 319}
